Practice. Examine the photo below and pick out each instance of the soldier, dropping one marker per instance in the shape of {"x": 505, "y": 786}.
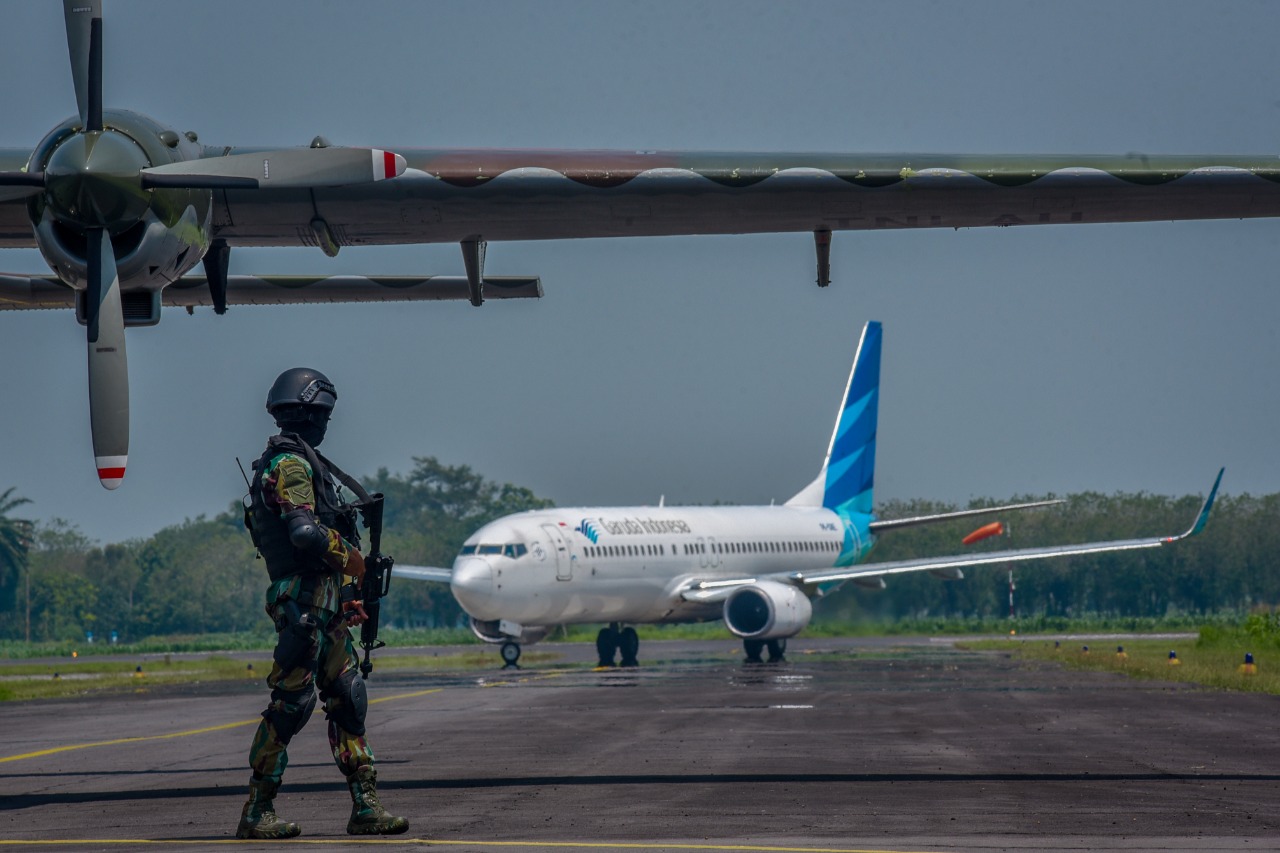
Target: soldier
{"x": 307, "y": 534}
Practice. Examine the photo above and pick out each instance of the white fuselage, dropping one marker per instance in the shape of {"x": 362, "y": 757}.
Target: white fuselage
{"x": 629, "y": 564}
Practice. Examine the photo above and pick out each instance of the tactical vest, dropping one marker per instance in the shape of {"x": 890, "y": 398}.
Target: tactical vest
{"x": 270, "y": 532}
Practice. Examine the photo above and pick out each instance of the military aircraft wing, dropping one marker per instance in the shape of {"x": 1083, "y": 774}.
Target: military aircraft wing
{"x": 456, "y": 195}
{"x": 122, "y": 206}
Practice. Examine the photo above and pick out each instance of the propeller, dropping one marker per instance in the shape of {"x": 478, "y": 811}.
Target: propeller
{"x": 98, "y": 181}
{"x": 104, "y": 315}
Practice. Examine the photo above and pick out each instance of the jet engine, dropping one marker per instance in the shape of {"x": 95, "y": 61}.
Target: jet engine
{"x": 767, "y": 610}
{"x": 490, "y": 631}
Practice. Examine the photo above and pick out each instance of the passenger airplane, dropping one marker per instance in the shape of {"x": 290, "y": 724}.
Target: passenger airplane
{"x": 123, "y": 207}
{"x": 754, "y": 567}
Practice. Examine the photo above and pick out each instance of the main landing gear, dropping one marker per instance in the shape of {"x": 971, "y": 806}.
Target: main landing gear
{"x": 755, "y": 648}
{"x": 612, "y": 640}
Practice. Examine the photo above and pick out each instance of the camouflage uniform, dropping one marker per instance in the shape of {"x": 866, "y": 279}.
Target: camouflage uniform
{"x": 295, "y": 500}
{"x": 331, "y": 657}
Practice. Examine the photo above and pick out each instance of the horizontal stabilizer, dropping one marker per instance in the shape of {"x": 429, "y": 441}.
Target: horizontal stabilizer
{"x": 892, "y": 524}
{"x": 28, "y": 292}
{"x": 434, "y": 574}
{"x": 289, "y": 168}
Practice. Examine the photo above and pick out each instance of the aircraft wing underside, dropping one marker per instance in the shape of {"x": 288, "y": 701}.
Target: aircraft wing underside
{"x": 18, "y": 292}
{"x": 451, "y": 196}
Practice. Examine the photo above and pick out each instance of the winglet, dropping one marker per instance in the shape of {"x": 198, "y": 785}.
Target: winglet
{"x": 1203, "y": 518}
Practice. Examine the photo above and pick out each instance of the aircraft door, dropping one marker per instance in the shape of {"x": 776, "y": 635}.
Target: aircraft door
{"x": 703, "y": 561}
{"x": 713, "y": 552}
{"x": 560, "y": 550}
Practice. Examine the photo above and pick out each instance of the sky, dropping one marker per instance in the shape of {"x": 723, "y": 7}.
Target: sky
{"x": 1055, "y": 359}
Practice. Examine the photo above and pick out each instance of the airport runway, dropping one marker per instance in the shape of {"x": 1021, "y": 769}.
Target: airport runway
{"x": 850, "y": 745}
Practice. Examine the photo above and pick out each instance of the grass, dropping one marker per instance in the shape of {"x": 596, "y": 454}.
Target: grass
{"x": 241, "y": 641}
{"x": 1214, "y": 665}
{"x": 264, "y": 639}
{"x": 85, "y": 676}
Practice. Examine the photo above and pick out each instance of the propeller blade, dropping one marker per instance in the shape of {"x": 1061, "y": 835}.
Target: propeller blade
{"x": 108, "y": 368}
{"x": 287, "y": 168}
{"x": 84, "y": 43}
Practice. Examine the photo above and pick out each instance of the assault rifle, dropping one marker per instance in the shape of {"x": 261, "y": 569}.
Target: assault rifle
{"x": 376, "y": 583}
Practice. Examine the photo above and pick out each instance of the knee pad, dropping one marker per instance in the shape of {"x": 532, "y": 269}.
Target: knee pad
{"x": 285, "y": 721}
{"x": 353, "y": 702}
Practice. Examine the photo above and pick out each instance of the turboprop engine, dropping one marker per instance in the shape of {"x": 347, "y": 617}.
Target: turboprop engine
{"x": 767, "y": 610}
{"x": 94, "y": 180}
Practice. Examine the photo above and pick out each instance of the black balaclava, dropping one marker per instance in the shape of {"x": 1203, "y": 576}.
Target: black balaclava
{"x": 308, "y": 422}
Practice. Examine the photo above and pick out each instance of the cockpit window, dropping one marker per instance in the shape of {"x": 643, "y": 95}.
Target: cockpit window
{"x": 468, "y": 549}
{"x": 490, "y": 549}
{"x": 514, "y": 551}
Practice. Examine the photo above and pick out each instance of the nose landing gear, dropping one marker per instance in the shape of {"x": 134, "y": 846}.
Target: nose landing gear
{"x": 510, "y": 655}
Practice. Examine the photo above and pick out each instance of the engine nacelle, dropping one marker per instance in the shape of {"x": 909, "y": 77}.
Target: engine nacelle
{"x": 767, "y": 610}
{"x": 154, "y": 245}
{"x": 490, "y": 631}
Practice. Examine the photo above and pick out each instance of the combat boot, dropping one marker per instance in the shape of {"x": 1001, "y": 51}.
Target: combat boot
{"x": 368, "y": 817}
{"x": 258, "y": 819}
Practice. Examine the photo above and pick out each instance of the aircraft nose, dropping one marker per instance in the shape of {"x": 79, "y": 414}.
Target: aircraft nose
{"x": 472, "y": 585}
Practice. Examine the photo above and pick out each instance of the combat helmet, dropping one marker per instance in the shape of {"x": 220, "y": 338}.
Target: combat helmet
{"x": 301, "y": 386}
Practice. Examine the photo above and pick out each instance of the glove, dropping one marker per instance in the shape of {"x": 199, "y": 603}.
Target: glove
{"x": 353, "y": 613}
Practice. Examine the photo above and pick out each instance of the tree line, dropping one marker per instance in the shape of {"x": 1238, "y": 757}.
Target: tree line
{"x": 203, "y": 576}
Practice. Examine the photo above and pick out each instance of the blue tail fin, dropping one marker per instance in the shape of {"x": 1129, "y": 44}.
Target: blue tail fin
{"x": 848, "y": 473}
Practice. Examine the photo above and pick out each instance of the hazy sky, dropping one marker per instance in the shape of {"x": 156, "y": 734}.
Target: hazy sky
{"x": 1016, "y": 360}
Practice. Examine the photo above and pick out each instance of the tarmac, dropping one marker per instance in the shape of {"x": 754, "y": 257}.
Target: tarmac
{"x": 852, "y": 744}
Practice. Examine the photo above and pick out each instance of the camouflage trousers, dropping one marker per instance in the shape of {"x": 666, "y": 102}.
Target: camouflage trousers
{"x": 324, "y": 661}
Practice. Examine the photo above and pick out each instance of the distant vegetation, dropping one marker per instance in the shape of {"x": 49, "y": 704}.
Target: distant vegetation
{"x": 201, "y": 577}
{"x": 1217, "y": 659}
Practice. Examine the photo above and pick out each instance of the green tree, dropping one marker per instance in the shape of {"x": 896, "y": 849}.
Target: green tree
{"x": 15, "y": 536}
{"x": 199, "y": 576}
{"x": 63, "y": 599}
{"x": 115, "y": 571}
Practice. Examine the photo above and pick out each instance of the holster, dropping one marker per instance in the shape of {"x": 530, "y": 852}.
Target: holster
{"x": 298, "y": 633}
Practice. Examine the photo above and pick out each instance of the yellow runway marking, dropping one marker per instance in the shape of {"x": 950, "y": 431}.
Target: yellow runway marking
{"x": 440, "y": 842}
{"x": 544, "y": 676}
{"x": 187, "y": 733}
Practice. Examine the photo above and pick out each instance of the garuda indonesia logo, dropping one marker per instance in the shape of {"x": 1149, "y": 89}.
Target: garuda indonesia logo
{"x": 587, "y": 529}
